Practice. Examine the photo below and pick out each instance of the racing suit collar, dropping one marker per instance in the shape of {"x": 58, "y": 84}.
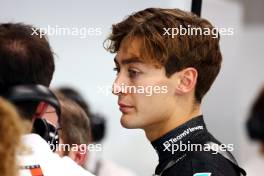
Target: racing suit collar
{"x": 186, "y": 133}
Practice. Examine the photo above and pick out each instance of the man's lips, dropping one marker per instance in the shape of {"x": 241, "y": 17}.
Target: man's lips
{"x": 124, "y": 108}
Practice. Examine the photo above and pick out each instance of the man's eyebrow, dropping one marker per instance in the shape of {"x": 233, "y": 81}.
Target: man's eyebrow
{"x": 128, "y": 61}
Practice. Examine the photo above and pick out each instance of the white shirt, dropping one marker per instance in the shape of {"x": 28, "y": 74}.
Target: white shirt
{"x": 50, "y": 163}
{"x": 105, "y": 167}
{"x": 110, "y": 168}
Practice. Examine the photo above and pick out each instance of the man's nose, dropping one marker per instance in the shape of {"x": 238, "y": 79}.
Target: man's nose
{"x": 119, "y": 85}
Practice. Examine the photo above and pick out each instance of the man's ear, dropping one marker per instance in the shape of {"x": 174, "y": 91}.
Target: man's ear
{"x": 41, "y": 108}
{"x": 80, "y": 155}
{"x": 186, "y": 80}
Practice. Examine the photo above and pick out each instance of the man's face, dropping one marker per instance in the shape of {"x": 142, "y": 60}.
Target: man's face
{"x": 141, "y": 109}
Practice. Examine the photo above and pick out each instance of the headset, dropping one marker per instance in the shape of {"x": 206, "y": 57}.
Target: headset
{"x": 38, "y": 94}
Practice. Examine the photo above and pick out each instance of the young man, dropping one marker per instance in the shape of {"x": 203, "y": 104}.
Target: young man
{"x": 162, "y": 77}
{"x": 26, "y": 60}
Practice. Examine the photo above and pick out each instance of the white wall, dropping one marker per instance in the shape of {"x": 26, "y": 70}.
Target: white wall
{"x": 84, "y": 64}
{"x": 240, "y": 79}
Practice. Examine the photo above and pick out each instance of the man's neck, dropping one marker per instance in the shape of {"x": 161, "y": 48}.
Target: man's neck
{"x": 160, "y": 129}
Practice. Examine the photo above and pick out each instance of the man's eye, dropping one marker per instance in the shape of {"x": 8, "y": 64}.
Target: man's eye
{"x": 116, "y": 69}
{"x": 133, "y": 73}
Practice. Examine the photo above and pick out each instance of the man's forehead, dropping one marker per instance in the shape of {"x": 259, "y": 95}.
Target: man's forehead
{"x": 130, "y": 51}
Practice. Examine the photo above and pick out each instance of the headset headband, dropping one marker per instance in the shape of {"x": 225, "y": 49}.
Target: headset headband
{"x": 38, "y": 93}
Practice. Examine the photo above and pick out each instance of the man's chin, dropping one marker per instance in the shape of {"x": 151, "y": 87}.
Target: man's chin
{"x": 128, "y": 122}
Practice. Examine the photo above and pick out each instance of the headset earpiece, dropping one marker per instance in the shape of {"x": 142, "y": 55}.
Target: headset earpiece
{"x": 46, "y": 131}
{"x": 38, "y": 93}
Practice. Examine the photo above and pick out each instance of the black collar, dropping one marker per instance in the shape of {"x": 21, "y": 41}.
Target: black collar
{"x": 185, "y": 133}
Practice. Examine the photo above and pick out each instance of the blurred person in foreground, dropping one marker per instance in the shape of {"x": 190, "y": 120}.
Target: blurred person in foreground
{"x": 75, "y": 131}
{"x": 94, "y": 162}
{"x": 11, "y": 131}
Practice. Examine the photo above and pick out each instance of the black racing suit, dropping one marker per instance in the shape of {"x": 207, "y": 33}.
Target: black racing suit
{"x": 195, "y": 157}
